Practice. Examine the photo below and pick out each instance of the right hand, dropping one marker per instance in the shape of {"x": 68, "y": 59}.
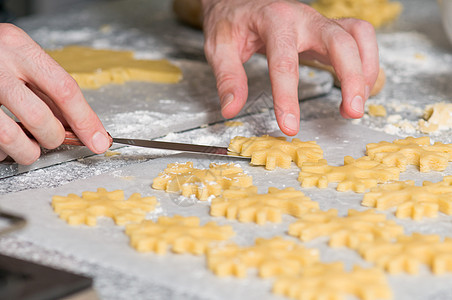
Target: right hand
{"x": 44, "y": 97}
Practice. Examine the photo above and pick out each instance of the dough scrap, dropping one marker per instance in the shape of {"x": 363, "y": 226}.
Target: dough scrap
{"x": 412, "y": 201}
{"x": 233, "y": 123}
{"x": 356, "y": 175}
{"x": 93, "y": 68}
{"x": 246, "y": 205}
{"x": 377, "y": 110}
{"x": 76, "y": 210}
{"x": 437, "y": 116}
{"x": 407, "y": 253}
{"x": 331, "y": 281}
{"x": 412, "y": 151}
{"x": 350, "y": 231}
{"x": 377, "y": 12}
{"x": 275, "y": 151}
{"x": 272, "y": 257}
{"x": 185, "y": 179}
{"x": 183, "y": 234}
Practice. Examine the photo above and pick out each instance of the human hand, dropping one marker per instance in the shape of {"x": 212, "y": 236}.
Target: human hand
{"x": 38, "y": 92}
{"x": 287, "y": 31}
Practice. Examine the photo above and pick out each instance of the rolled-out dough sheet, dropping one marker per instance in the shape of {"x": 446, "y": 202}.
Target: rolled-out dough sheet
{"x": 93, "y": 68}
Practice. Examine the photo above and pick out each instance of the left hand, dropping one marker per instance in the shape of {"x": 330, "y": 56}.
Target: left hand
{"x": 286, "y": 30}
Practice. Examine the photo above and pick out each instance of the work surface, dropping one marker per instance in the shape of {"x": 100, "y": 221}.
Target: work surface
{"x": 418, "y": 61}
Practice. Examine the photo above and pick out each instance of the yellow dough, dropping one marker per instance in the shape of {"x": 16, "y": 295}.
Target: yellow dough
{"x": 183, "y": 234}
{"x": 331, "y": 281}
{"x": 436, "y": 117}
{"x": 357, "y": 175}
{"x": 350, "y": 231}
{"x": 271, "y": 257}
{"x": 412, "y": 201}
{"x": 85, "y": 209}
{"x": 93, "y": 68}
{"x": 275, "y": 152}
{"x": 407, "y": 253}
{"x": 377, "y": 110}
{"x": 246, "y": 205}
{"x": 185, "y": 179}
{"x": 233, "y": 123}
{"x": 376, "y": 12}
{"x": 412, "y": 151}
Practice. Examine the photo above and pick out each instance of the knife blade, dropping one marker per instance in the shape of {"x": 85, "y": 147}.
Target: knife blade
{"x": 192, "y": 148}
{"x": 72, "y": 139}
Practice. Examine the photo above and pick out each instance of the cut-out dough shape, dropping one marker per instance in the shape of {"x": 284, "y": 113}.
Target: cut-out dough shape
{"x": 356, "y": 175}
{"x": 412, "y": 151}
{"x": 246, "y": 205}
{"x": 93, "y": 68}
{"x": 331, "y": 281}
{"x": 407, "y": 253}
{"x": 183, "y": 234}
{"x": 377, "y": 13}
{"x": 350, "y": 231}
{"x": 273, "y": 152}
{"x": 78, "y": 210}
{"x": 412, "y": 201}
{"x": 271, "y": 257}
{"x": 185, "y": 179}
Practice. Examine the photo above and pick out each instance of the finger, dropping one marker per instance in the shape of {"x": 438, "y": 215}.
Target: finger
{"x": 365, "y": 37}
{"x": 345, "y": 58}
{"x": 3, "y": 155}
{"x": 223, "y": 55}
{"x": 58, "y": 85}
{"x": 282, "y": 56}
{"x": 32, "y": 112}
{"x": 55, "y": 110}
{"x": 15, "y": 143}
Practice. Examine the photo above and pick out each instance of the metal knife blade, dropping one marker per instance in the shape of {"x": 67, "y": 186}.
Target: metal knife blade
{"x": 192, "y": 148}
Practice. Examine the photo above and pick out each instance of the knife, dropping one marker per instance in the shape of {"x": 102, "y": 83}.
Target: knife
{"x": 72, "y": 139}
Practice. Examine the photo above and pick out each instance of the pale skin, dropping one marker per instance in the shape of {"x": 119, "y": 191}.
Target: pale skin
{"x": 45, "y": 98}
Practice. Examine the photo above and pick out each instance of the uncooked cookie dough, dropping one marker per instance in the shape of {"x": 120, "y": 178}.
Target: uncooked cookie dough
{"x": 377, "y": 110}
{"x": 437, "y": 117}
{"x": 93, "y": 68}
{"x": 86, "y": 209}
{"x": 376, "y": 12}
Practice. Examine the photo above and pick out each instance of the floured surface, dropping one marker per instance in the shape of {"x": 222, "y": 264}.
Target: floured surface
{"x": 107, "y": 246}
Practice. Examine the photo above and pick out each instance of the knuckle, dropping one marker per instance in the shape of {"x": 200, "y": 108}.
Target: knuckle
{"x": 36, "y": 117}
{"x": 285, "y": 65}
{"x": 342, "y": 39}
{"x": 8, "y": 134}
{"x": 364, "y": 27}
{"x": 223, "y": 79}
{"x": 11, "y": 35}
{"x": 65, "y": 90}
{"x": 278, "y": 9}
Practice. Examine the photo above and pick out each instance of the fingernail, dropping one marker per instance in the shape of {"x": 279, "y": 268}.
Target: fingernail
{"x": 100, "y": 142}
{"x": 228, "y": 99}
{"x": 357, "y": 105}
{"x": 367, "y": 92}
{"x": 291, "y": 122}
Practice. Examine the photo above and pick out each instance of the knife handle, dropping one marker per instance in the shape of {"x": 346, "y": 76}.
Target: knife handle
{"x": 70, "y": 138}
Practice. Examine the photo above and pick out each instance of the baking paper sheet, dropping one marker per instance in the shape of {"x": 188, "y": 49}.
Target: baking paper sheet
{"x": 107, "y": 245}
